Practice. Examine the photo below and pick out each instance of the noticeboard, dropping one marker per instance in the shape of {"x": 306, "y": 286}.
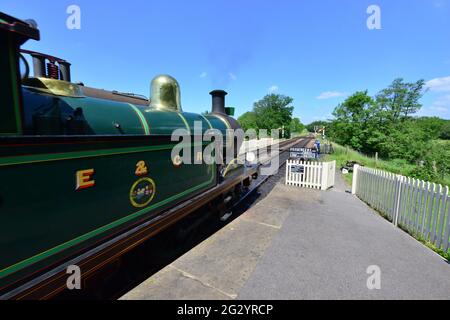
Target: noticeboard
{"x": 302, "y": 153}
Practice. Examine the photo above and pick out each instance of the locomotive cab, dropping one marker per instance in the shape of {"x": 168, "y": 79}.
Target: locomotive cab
{"x": 13, "y": 33}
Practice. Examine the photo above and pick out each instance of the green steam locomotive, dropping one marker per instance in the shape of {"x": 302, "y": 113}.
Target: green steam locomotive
{"x": 79, "y": 165}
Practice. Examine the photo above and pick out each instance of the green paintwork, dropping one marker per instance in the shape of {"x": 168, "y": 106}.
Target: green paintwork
{"x": 141, "y": 118}
{"x": 28, "y": 159}
{"x": 230, "y": 111}
{"x": 43, "y": 215}
{"x": 101, "y": 116}
{"x": 219, "y": 123}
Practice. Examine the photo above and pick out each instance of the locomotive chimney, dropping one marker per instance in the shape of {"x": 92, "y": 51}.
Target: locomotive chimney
{"x": 218, "y": 101}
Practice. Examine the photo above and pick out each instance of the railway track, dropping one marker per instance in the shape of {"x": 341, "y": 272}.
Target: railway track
{"x": 284, "y": 155}
{"x": 115, "y": 267}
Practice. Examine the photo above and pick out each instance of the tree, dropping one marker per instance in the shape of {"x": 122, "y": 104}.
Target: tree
{"x": 274, "y": 111}
{"x": 248, "y": 121}
{"x": 434, "y": 126}
{"x": 350, "y": 126}
{"x": 296, "y": 126}
{"x": 384, "y": 124}
{"x": 405, "y": 140}
{"x": 445, "y": 131}
{"x": 400, "y": 99}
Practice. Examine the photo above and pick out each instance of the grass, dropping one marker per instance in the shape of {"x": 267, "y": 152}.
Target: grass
{"x": 398, "y": 166}
{"x": 427, "y": 243}
{"x": 343, "y": 154}
{"x": 444, "y": 143}
{"x": 300, "y": 134}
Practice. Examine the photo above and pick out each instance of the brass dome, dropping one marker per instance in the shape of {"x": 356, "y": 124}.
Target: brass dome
{"x": 165, "y": 93}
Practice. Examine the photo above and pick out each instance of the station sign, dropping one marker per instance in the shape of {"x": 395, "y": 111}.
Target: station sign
{"x": 298, "y": 169}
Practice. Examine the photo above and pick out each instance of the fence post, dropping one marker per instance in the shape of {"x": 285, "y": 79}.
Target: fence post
{"x": 324, "y": 182}
{"x": 355, "y": 178}
{"x": 331, "y": 174}
{"x": 398, "y": 192}
{"x": 286, "y": 181}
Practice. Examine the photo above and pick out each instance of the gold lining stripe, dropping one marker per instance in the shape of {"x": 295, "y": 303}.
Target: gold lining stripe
{"x": 141, "y": 119}
{"x": 185, "y": 122}
{"x": 209, "y": 123}
{"x": 223, "y": 120}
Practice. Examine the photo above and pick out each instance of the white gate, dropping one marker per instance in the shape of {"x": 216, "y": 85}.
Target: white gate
{"x": 310, "y": 174}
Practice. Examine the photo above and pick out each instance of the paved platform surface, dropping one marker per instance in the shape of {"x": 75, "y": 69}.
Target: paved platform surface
{"x": 303, "y": 244}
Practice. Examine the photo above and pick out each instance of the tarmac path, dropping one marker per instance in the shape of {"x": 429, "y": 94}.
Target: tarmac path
{"x": 303, "y": 244}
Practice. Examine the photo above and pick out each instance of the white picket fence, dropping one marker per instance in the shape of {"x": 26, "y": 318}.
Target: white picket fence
{"x": 422, "y": 208}
{"x": 310, "y": 174}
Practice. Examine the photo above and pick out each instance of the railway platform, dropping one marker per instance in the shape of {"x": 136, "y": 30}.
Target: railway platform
{"x": 303, "y": 244}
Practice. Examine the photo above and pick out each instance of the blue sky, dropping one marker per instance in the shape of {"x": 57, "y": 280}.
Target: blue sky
{"x": 317, "y": 51}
